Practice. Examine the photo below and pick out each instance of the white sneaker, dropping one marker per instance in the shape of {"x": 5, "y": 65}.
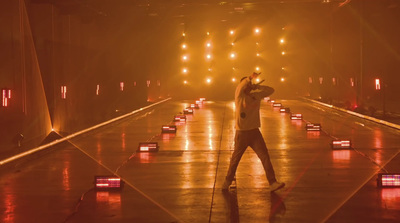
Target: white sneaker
{"x": 226, "y": 185}
{"x": 276, "y": 186}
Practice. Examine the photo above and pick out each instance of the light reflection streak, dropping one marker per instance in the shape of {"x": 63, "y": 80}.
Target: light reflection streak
{"x": 297, "y": 123}
{"x": 168, "y": 136}
{"x": 65, "y": 173}
{"x": 313, "y": 134}
{"x": 378, "y": 138}
{"x": 390, "y": 198}
{"x": 123, "y": 141}
{"x": 112, "y": 201}
{"x": 144, "y": 157}
{"x": 187, "y": 173}
{"x": 187, "y": 144}
{"x": 98, "y": 145}
{"x": 378, "y": 145}
{"x": 341, "y": 155}
{"x": 9, "y": 203}
{"x": 257, "y": 170}
{"x": 210, "y": 130}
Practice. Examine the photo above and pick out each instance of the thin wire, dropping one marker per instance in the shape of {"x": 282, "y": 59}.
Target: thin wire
{"x": 216, "y": 168}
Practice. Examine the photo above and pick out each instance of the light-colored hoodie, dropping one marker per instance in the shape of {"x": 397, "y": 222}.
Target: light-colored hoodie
{"x": 248, "y": 104}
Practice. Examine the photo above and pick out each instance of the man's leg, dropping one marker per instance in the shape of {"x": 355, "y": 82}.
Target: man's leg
{"x": 241, "y": 143}
{"x": 260, "y": 148}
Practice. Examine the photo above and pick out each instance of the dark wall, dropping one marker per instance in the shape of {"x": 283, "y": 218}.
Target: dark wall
{"x": 26, "y": 111}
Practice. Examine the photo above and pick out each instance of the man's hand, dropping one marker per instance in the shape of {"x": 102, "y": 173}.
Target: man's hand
{"x": 254, "y": 75}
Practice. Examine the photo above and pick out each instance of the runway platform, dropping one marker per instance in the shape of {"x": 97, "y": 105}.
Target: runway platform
{"x": 181, "y": 182}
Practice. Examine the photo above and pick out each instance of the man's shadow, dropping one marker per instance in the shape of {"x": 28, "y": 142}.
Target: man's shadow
{"x": 277, "y": 207}
{"x": 232, "y": 212}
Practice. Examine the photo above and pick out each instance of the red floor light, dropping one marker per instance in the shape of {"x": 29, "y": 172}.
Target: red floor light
{"x": 341, "y": 144}
{"x": 277, "y": 105}
{"x": 180, "y": 118}
{"x": 284, "y": 110}
{"x": 107, "y": 182}
{"x": 388, "y": 180}
{"x": 168, "y": 129}
{"x": 313, "y": 127}
{"x": 148, "y": 147}
{"x": 296, "y": 117}
{"x": 188, "y": 111}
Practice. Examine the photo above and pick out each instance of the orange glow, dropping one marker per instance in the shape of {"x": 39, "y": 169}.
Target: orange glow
{"x": 208, "y": 56}
{"x": 283, "y": 53}
{"x": 185, "y": 82}
{"x": 184, "y": 46}
{"x": 208, "y": 44}
{"x": 232, "y": 32}
{"x": 257, "y": 31}
{"x": 184, "y": 70}
{"x": 184, "y": 57}
{"x": 282, "y": 41}
{"x": 233, "y": 79}
{"x": 233, "y": 55}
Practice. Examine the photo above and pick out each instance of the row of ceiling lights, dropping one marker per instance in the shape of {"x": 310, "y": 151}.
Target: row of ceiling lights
{"x": 232, "y": 55}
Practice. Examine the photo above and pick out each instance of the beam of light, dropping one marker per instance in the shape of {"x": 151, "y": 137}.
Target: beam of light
{"x": 73, "y": 135}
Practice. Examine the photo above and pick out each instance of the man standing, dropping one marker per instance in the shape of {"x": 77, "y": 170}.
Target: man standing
{"x": 247, "y": 102}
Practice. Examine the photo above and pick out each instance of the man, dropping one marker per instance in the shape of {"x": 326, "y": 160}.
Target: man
{"x": 247, "y": 102}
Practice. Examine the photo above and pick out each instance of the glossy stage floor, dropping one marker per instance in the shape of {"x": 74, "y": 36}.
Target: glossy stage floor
{"x": 182, "y": 181}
